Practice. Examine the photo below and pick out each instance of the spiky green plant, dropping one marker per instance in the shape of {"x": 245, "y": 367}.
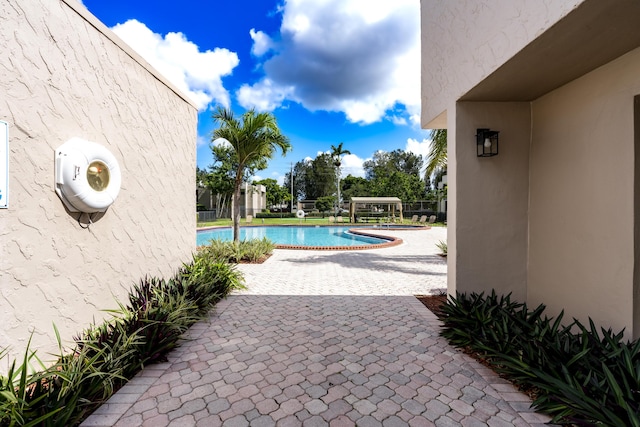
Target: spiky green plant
{"x": 235, "y": 252}
{"x": 581, "y": 378}
{"x": 106, "y": 355}
{"x": 16, "y": 391}
{"x": 442, "y": 245}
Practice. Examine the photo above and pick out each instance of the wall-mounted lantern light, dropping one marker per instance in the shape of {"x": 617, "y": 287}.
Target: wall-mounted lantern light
{"x": 487, "y": 142}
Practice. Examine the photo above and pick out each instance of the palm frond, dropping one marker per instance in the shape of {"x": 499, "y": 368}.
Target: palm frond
{"x": 437, "y": 157}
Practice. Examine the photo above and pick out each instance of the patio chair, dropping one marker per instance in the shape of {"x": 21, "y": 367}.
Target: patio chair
{"x": 332, "y": 218}
{"x": 249, "y": 219}
{"x": 339, "y": 218}
{"x": 423, "y": 219}
{"x": 432, "y": 219}
{"x": 414, "y": 218}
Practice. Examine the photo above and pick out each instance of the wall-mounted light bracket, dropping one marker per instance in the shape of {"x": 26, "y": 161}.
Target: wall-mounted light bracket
{"x": 487, "y": 142}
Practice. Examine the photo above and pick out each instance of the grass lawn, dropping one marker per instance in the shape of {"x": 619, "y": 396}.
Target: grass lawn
{"x": 287, "y": 221}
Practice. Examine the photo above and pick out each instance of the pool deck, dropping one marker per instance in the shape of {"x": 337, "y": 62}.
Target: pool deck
{"x": 324, "y": 338}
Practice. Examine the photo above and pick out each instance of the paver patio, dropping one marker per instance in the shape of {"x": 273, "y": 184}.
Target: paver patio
{"x": 324, "y": 338}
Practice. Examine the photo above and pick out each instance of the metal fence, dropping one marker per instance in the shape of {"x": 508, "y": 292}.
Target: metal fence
{"x": 207, "y": 216}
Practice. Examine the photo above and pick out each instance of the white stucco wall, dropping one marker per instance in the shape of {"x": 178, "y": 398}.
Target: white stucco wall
{"x": 582, "y": 188}
{"x": 63, "y": 74}
{"x": 463, "y": 41}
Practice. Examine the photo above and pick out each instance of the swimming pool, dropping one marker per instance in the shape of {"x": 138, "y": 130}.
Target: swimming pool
{"x": 301, "y": 237}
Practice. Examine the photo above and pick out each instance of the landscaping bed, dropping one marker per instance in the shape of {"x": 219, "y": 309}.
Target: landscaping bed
{"x": 580, "y": 375}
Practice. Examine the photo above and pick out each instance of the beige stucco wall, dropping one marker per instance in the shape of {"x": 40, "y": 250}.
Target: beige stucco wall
{"x": 63, "y": 74}
{"x": 253, "y": 199}
{"x": 488, "y": 212}
{"x": 582, "y": 189}
{"x": 463, "y": 41}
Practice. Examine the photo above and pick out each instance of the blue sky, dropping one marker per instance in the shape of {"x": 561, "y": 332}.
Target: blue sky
{"x": 331, "y": 71}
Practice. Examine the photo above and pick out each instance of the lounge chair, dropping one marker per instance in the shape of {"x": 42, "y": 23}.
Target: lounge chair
{"x": 339, "y": 218}
{"x": 249, "y": 219}
{"x": 414, "y": 218}
{"x": 432, "y": 219}
{"x": 332, "y": 218}
{"x": 423, "y": 219}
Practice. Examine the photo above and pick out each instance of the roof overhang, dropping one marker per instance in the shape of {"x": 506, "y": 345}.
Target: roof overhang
{"x": 375, "y": 200}
{"x": 593, "y": 34}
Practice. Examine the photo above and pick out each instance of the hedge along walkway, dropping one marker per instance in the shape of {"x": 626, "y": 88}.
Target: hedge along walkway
{"x": 324, "y": 338}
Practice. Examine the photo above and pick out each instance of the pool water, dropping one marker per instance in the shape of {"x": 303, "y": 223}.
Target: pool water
{"x": 292, "y": 235}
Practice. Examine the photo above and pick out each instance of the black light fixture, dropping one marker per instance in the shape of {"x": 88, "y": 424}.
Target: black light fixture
{"x": 487, "y": 142}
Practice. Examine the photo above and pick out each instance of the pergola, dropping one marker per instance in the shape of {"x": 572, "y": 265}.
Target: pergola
{"x": 393, "y": 204}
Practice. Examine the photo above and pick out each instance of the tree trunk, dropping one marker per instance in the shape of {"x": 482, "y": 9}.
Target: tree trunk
{"x": 236, "y": 210}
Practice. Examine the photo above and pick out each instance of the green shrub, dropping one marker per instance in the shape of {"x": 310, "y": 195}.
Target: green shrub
{"x": 442, "y": 245}
{"x": 580, "y": 377}
{"x": 210, "y": 277}
{"x": 235, "y": 252}
{"x": 60, "y": 395}
{"x": 16, "y": 392}
{"x": 158, "y": 313}
{"x": 275, "y": 215}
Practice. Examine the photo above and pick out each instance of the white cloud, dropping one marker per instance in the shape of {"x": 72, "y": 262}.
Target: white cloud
{"x": 197, "y": 74}
{"x": 264, "y": 95}
{"x": 418, "y": 147}
{"x": 201, "y": 140}
{"x": 262, "y": 43}
{"x": 352, "y": 165}
{"x": 397, "y": 120}
{"x": 360, "y": 57}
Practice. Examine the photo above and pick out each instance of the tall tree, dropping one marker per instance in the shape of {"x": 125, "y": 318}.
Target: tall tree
{"x": 383, "y": 163}
{"x": 255, "y": 139}
{"x": 299, "y": 178}
{"x": 395, "y": 173}
{"x": 276, "y": 193}
{"x": 355, "y": 186}
{"x": 220, "y": 177}
{"x": 408, "y": 187}
{"x": 336, "y": 154}
{"x": 320, "y": 177}
{"x": 437, "y": 157}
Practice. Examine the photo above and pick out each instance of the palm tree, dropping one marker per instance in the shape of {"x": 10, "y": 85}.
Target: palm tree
{"x": 336, "y": 152}
{"x": 437, "y": 158}
{"x": 254, "y": 139}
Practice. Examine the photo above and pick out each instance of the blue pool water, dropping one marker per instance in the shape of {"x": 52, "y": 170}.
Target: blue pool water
{"x": 292, "y": 235}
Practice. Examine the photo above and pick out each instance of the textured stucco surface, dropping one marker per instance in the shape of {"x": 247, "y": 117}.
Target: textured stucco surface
{"x": 487, "y": 246}
{"x": 582, "y": 188}
{"x": 463, "y": 41}
{"x": 63, "y": 75}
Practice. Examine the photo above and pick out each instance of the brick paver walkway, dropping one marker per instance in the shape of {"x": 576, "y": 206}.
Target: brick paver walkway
{"x": 324, "y": 338}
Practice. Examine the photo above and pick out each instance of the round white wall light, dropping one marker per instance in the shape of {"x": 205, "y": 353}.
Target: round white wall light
{"x": 87, "y": 176}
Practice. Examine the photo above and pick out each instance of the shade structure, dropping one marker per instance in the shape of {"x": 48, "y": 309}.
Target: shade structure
{"x": 393, "y": 204}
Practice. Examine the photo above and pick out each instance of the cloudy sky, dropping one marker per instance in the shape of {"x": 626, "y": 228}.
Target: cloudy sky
{"x": 331, "y": 71}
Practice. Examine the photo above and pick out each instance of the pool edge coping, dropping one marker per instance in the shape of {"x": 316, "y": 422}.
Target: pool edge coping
{"x": 391, "y": 240}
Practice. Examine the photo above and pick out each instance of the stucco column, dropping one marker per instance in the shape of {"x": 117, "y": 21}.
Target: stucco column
{"x": 488, "y": 199}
